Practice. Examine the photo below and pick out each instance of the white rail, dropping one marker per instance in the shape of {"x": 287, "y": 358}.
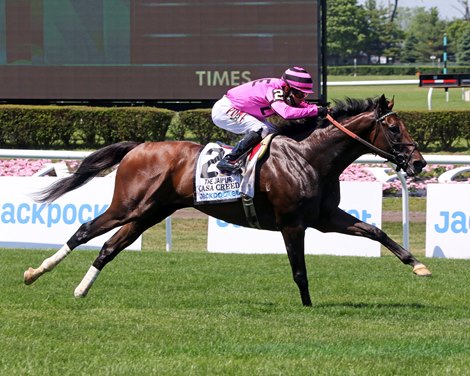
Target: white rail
{"x": 368, "y": 158}
{"x": 372, "y": 83}
{"x": 43, "y": 154}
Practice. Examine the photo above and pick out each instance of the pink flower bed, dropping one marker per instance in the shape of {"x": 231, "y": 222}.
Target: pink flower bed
{"x": 21, "y": 167}
{"x": 416, "y": 185}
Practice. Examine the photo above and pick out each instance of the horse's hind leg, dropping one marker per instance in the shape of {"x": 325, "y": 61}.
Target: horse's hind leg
{"x": 31, "y": 274}
{"x": 86, "y": 232}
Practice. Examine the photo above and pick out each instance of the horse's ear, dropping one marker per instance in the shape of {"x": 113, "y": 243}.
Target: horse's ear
{"x": 381, "y": 105}
{"x": 390, "y": 103}
{"x": 383, "y": 101}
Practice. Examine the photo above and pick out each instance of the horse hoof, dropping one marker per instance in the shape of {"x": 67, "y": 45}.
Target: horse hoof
{"x": 80, "y": 293}
{"x": 421, "y": 270}
{"x": 29, "y": 277}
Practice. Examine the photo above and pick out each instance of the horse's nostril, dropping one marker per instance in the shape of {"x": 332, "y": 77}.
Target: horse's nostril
{"x": 418, "y": 166}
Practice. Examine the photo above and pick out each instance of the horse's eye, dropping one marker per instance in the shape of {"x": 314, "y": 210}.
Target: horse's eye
{"x": 395, "y": 128}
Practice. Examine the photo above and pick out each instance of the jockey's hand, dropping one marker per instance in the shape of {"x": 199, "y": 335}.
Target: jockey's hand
{"x": 323, "y": 111}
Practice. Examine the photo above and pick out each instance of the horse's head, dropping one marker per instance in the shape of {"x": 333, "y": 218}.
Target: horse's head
{"x": 391, "y": 136}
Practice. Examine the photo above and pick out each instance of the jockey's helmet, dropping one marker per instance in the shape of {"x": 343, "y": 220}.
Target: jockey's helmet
{"x": 299, "y": 79}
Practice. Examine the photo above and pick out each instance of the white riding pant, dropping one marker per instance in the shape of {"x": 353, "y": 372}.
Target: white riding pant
{"x": 227, "y": 117}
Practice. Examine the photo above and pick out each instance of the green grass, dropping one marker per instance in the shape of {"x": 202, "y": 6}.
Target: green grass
{"x": 417, "y": 236}
{"x": 407, "y": 97}
{"x": 190, "y": 312}
{"x": 188, "y": 235}
{"x": 416, "y": 204}
{"x": 157, "y": 313}
{"x": 417, "y": 233}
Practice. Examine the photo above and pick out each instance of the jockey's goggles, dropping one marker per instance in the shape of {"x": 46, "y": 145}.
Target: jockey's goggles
{"x": 298, "y": 94}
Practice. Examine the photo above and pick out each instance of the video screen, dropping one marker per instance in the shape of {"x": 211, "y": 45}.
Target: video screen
{"x": 151, "y": 50}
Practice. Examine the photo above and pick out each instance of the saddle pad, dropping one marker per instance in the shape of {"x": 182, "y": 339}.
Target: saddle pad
{"x": 211, "y": 186}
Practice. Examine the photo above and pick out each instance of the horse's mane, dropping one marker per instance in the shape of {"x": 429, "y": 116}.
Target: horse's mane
{"x": 349, "y": 107}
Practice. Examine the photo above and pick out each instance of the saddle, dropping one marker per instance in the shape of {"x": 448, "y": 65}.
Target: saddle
{"x": 212, "y": 186}
{"x": 257, "y": 152}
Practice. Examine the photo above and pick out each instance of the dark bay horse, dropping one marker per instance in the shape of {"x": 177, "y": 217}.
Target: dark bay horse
{"x": 297, "y": 187}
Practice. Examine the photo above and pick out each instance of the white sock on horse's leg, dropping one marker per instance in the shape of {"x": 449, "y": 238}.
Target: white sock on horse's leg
{"x": 51, "y": 262}
{"x": 47, "y": 265}
{"x": 87, "y": 282}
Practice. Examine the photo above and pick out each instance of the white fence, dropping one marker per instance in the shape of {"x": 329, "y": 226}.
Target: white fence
{"x": 368, "y": 158}
{"x": 373, "y": 83}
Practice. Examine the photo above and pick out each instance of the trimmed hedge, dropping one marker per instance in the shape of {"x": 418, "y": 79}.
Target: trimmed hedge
{"x": 71, "y": 127}
{"x": 79, "y": 127}
{"x": 442, "y": 130}
{"x": 199, "y": 123}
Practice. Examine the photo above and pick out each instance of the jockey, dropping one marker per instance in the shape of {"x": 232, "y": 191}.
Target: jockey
{"x": 245, "y": 109}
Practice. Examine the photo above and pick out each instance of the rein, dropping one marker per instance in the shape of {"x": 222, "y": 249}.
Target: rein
{"x": 378, "y": 151}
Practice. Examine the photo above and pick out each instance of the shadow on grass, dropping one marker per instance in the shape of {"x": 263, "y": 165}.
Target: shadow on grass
{"x": 384, "y": 306}
{"x": 341, "y": 306}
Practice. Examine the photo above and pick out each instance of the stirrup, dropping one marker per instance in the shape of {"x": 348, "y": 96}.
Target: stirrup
{"x": 226, "y": 166}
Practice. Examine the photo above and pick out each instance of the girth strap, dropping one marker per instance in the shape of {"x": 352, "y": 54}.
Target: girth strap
{"x": 250, "y": 211}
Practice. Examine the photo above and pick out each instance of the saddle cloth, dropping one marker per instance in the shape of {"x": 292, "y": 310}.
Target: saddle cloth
{"x": 212, "y": 186}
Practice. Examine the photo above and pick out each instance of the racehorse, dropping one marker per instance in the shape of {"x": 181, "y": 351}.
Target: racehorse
{"x": 297, "y": 186}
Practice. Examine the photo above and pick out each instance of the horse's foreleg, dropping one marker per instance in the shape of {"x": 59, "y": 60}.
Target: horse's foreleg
{"x": 344, "y": 223}
{"x": 82, "y": 289}
{"x": 294, "y": 238}
{"x": 47, "y": 265}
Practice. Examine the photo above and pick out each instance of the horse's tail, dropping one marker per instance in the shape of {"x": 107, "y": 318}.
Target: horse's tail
{"x": 90, "y": 167}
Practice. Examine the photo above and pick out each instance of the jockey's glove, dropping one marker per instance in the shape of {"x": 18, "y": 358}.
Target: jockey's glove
{"x": 322, "y": 111}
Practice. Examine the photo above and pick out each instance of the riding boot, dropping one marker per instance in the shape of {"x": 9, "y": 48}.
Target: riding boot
{"x": 229, "y": 162}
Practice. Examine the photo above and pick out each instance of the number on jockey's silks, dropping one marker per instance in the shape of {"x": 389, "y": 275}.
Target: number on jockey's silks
{"x": 278, "y": 95}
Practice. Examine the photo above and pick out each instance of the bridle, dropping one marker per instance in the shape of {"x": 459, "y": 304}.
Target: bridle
{"x": 397, "y": 157}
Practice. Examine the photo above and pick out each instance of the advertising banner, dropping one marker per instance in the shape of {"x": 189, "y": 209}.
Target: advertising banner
{"x": 448, "y": 221}
{"x": 360, "y": 199}
{"x": 25, "y": 223}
